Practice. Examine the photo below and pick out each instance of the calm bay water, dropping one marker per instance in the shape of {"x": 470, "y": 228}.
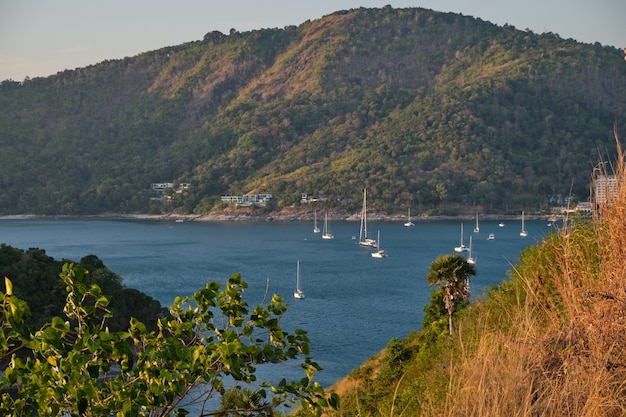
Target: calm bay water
{"x": 354, "y": 303}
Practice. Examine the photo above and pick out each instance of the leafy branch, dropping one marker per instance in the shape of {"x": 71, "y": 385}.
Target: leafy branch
{"x": 77, "y": 365}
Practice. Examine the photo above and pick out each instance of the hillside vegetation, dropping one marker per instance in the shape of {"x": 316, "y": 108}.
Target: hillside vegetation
{"x": 436, "y": 111}
{"x": 549, "y": 341}
{"x": 35, "y": 278}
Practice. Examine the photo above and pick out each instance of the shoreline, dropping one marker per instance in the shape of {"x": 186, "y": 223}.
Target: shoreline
{"x": 276, "y": 217}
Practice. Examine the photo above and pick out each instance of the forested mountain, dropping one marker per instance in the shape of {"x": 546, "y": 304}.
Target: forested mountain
{"x": 431, "y": 110}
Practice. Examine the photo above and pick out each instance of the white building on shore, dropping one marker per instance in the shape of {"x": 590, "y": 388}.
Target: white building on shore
{"x": 247, "y": 199}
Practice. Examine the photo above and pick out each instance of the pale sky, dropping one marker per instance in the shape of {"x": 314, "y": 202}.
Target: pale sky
{"x": 42, "y": 37}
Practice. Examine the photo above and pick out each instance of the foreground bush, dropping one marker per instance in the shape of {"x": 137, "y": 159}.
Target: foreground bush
{"x": 76, "y": 365}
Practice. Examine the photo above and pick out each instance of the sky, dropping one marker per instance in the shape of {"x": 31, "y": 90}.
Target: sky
{"x": 39, "y": 38}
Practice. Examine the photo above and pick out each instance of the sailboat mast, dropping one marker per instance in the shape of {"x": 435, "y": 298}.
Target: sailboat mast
{"x": 461, "y": 234}
{"x": 365, "y": 212}
{"x": 362, "y": 220}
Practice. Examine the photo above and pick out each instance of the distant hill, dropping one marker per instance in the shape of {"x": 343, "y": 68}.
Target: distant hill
{"x": 436, "y": 111}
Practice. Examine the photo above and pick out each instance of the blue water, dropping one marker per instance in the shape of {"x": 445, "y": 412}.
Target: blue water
{"x": 354, "y": 303}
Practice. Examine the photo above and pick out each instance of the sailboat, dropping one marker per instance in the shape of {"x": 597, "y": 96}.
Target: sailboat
{"x": 476, "y": 228}
{"x": 380, "y": 253}
{"x": 409, "y": 223}
{"x": 326, "y": 234}
{"x": 523, "y": 233}
{"x": 461, "y": 247}
{"x": 315, "y": 228}
{"x": 298, "y": 293}
{"x": 364, "y": 240}
{"x": 470, "y": 258}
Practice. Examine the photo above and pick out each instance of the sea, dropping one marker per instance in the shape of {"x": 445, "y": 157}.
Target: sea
{"x": 354, "y": 304}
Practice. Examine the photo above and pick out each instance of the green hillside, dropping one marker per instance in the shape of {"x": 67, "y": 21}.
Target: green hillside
{"x": 35, "y": 279}
{"x": 437, "y": 111}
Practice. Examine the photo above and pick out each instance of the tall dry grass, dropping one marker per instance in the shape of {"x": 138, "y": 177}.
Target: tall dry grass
{"x": 560, "y": 348}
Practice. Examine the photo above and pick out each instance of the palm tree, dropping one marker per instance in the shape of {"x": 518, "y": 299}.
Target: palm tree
{"x": 452, "y": 273}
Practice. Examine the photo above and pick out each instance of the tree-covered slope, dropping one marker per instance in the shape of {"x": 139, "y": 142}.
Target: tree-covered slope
{"x": 430, "y": 109}
{"x": 35, "y": 278}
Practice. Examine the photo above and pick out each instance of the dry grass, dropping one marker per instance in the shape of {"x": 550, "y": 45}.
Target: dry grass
{"x": 565, "y": 352}
{"x": 371, "y": 368}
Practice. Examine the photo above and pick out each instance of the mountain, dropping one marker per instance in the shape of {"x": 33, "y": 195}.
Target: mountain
{"x": 437, "y": 111}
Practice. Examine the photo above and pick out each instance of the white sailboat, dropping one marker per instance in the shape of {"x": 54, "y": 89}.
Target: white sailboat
{"x": 326, "y": 235}
{"x": 364, "y": 240}
{"x": 409, "y": 223}
{"x": 476, "y": 228}
{"x": 379, "y": 253}
{"x": 523, "y": 233}
{"x": 315, "y": 228}
{"x": 461, "y": 247}
{"x": 298, "y": 293}
{"x": 470, "y": 258}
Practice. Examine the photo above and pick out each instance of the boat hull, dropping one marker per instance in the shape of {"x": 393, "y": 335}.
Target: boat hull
{"x": 368, "y": 243}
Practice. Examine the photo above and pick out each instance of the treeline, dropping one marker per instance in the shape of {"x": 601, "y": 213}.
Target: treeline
{"x": 431, "y": 110}
{"x": 35, "y": 278}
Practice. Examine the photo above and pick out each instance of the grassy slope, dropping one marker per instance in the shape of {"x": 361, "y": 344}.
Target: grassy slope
{"x": 549, "y": 341}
